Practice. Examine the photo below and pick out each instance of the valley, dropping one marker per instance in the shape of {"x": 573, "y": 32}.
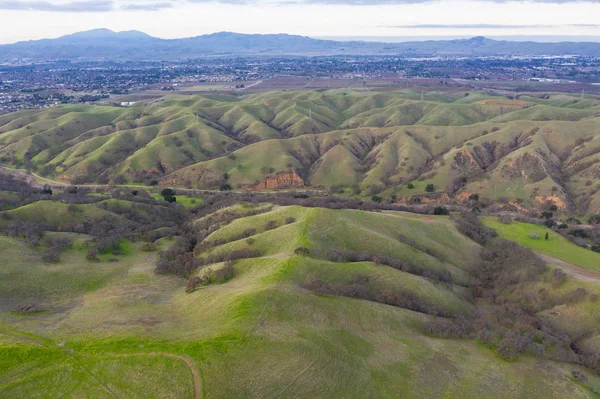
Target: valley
{"x": 525, "y": 153}
{"x": 302, "y": 243}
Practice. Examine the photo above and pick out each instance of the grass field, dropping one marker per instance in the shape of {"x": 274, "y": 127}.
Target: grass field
{"x": 110, "y": 328}
{"x": 272, "y": 340}
{"x": 557, "y": 246}
{"x": 185, "y": 200}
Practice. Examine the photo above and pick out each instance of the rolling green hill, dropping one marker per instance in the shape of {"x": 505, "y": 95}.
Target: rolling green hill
{"x": 530, "y": 150}
{"x": 117, "y": 328}
{"x": 111, "y": 290}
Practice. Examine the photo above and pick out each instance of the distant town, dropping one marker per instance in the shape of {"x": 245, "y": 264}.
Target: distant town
{"x": 25, "y": 84}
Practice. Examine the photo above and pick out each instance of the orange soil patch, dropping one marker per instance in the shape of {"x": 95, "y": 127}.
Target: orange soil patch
{"x": 554, "y": 198}
{"x": 464, "y": 196}
{"x": 280, "y": 180}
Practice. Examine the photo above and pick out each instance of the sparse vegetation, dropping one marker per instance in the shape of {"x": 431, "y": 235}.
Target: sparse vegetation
{"x": 328, "y": 281}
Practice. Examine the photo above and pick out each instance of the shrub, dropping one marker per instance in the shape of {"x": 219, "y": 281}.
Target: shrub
{"x": 579, "y": 233}
{"x": 148, "y": 247}
{"x": 440, "y": 210}
{"x": 550, "y": 223}
{"x": 59, "y": 243}
{"x": 250, "y": 240}
{"x": 223, "y": 274}
{"x": 534, "y": 234}
{"x": 51, "y": 255}
{"x": 578, "y": 376}
{"x": 510, "y": 348}
{"x": 92, "y": 254}
{"x": 449, "y": 328}
{"x": 302, "y": 251}
{"x": 271, "y": 224}
{"x": 474, "y": 197}
{"x": 193, "y": 282}
{"x": 558, "y": 278}
{"x": 410, "y": 186}
{"x": 430, "y": 188}
{"x": 376, "y": 198}
{"x": 469, "y": 225}
{"x": 289, "y": 220}
{"x": 168, "y": 195}
{"x": 335, "y": 256}
{"x": 505, "y": 219}
{"x": 47, "y": 190}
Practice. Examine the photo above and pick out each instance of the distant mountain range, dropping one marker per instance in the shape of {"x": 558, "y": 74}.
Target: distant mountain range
{"x": 135, "y": 45}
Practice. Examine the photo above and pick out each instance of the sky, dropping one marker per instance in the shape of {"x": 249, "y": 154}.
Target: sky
{"x": 36, "y": 19}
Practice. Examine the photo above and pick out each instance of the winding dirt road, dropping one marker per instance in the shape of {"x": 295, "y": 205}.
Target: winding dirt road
{"x": 575, "y": 271}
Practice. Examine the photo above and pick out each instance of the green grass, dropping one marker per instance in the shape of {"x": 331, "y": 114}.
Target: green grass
{"x": 331, "y": 137}
{"x": 352, "y": 231}
{"x": 557, "y": 246}
{"x": 189, "y": 201}
{"x": 262, "y": 334}
{"x": 108, "y": 325}
{"x": 56, "y": 213}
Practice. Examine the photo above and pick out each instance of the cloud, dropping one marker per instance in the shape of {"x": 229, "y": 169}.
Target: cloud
{"x": 486, "y": 26}
{"x": 240, "y": 2}
{"x": 145, "y": 7}
{"x": 366, "y": 2}
{"x": 318, "y": 2}
{"x": 75, "y": 6}
{"x": 378, "y": 2}
{"x": 468, "y": 26}
{"x": 399, "y": 2}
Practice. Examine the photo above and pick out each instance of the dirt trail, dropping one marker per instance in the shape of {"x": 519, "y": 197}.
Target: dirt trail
{"x": 575, "y": 271}
{"x": 25, "y": 337}
{"x": 196, "y": 378}
{"x": 198, "y": 391}
{"x": 31, "y": 177}
{"x": 34, "y": 181}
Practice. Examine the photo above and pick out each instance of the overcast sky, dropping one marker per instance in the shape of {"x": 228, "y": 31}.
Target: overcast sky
{"x": 35, "y": 19}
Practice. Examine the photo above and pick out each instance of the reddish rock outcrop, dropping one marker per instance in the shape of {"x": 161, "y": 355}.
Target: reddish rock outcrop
{"x": 280, "y": 180}
{"x": 551, "y": 198}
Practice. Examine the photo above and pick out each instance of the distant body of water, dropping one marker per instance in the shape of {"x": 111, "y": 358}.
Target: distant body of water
{"x": 516, "y": 38}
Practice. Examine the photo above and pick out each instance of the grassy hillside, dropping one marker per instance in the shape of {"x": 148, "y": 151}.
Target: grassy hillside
{"x": 533, "y": 236}
{"x": 113, "y": 326}
{"x": 530, "y": 150}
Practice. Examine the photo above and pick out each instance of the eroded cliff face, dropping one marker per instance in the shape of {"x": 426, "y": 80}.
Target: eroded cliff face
{"x": 555, "y": 199}
{"x": 279, "y": 181}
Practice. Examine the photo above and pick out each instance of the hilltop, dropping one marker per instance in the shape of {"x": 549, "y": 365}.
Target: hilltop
{"x": 533, "y": 152}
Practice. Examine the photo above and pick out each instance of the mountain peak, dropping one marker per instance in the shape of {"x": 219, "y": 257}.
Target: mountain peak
{"x": 104, "y": 33}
